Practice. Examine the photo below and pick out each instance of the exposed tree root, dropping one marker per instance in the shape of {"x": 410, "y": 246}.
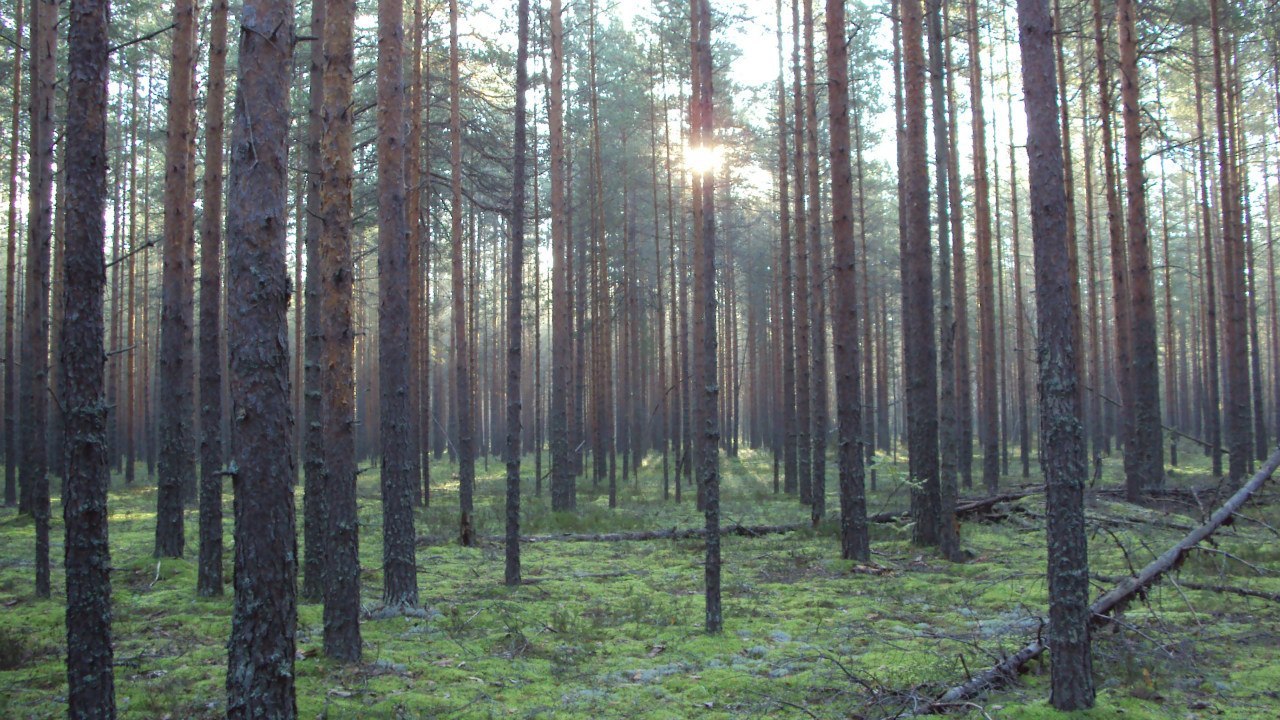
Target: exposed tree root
{"x": 1125, "y": 591}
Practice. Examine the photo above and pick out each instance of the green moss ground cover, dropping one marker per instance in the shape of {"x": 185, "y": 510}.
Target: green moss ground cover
{"x": 613, "y": 630}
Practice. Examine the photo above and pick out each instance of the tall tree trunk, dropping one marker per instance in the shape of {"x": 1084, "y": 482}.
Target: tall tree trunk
{"x": 1019, "y": 317}
{"x": 177, "y": 439}
{"x": 1062, "y": 435}
{"x": 705, "y": 305}
{"x": 209, "y": 579}
{"x": 130, "y": 412}
{"x": 1096, "y": 425}
{"x": 854, "y": 541}
{"x": 515, "y": 287}
{"x": 817, "y": 269}
{"x": 803, "y": 303}
{"x": 988, "y": 391}
{"x": 919, "y": 349}
{"x": 1212, "y": 412}
{"x": 337, "y": 380}
{"x": 399, "y": 476}
{"x": 34, "y": 477}
{"x": 1148, "y": 465}
{"x": 416, "y": 228}
{"x": 314, "y": 500}
{"x": 260, "y": 673}
{"x": 562, "y": 482}
{"x": 958, "y": 284}
{"x": 464, "y": 399}
{"x": 10, "y": 277}
{"x": 1235, "y": 342}
{"x": 787, "y": 321}
{"x": 90, "y": 679}
{"x": 948, "y": 538}
{"x": 1119, "y": 261}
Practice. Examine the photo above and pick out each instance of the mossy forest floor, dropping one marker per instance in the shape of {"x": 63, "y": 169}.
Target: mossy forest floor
{"x": 614, "y": 630}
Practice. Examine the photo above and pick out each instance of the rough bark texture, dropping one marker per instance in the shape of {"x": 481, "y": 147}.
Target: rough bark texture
{"x": 515, "y": 286}
{"x": 803, "y": 345}
{"x": 34, "y": 476}
{"x": 1148, "y": 463}
{"x": 261, "y": 650}
{"x": 706, "y": 388}
{"x": 1115, "y": 233}
{"x": 787, "y": 320}
{"x": 854, "y": 541}
{"x": 919, "y": 350}
{"x": 399, "y": 477}
{"x": 1212, "y": 412}
{"x": 177, "y": 457}
{"x": 988, "y": 392}
{"x": 90, "y": 680}
{"x": 563, "y": 495}
{"x": 462, "y": 357}
{"x": 11, "y": 280}
{"x": 209, "y": 580}
{"x": 948, "y": 534}
{"x": 337, "y": 381}
{"x": 314, "y": 502}
{"x": 1234, "y": 336}
{"x": 1062, "y": 434}
{"x": 817, "y": 271}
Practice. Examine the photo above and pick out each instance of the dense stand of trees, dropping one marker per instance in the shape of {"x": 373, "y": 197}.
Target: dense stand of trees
{"x": 795, "y": 267}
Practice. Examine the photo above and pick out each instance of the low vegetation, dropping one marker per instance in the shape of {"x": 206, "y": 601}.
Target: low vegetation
{"x": 614, "y": 629}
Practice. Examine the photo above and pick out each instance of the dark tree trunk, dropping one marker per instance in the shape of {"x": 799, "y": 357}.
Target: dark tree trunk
{"x": 260, "y": 673}
{"x": 337, "y": 383}
{"x": 11, "y": 279}
{"x": 988, "y": 390}
{"x": 563, "y": 494}
{"x": 90, "y": 679}
{"x": 399, "y": 477}
{"x": 1212, "y": 411}
{"x": 515, "y": 286}
{"x": 416, "y": 226}
{"x": 949, "y": 431}
{"x": 919, "y": 350}
{"x": 34, "y": 477}
{"x": 1147, "y": 446}
{"x": 314, "y": 501}
{"x": 787, "y": 321}
{"x": 817, "y": 270}
{"x": 464, "y": 399}
{"x": 1119, "y": 258}
{"x": 1235, "y": 340}
{"x": 177, "y": 457}
{"x": 803, "y": 345}
{"x": 959, "y": 295}
{"x": 209, "y": 580}
{"x": 707, "y": 391}
{"x": 854, "y": 542}
{"x": 1062, "y": 434}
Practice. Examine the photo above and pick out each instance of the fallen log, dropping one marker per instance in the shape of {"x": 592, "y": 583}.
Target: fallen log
{"x": 963, "y": 509}
{"x": 1114, "y": 600}
{"x": 1224, "y": 589}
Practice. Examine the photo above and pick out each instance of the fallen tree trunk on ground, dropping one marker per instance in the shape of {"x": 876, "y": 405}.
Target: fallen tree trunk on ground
{"x": 1114, "y": 600}
{"x": 1224, "y": 589}
{"x": 964, "y": 509}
